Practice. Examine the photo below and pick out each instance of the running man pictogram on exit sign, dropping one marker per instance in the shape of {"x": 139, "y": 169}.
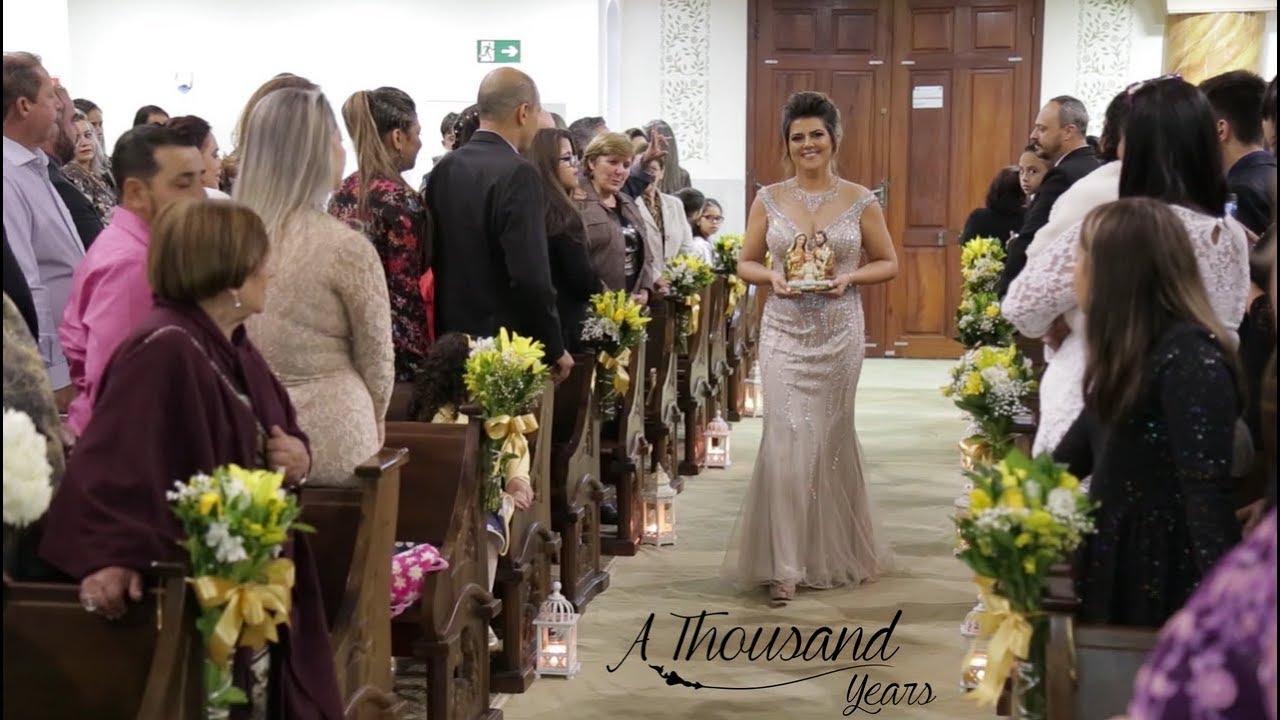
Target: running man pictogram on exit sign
{"x": 497, "y": 51}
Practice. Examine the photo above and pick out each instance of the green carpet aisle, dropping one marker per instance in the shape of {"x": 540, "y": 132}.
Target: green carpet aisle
{"x": 909, "y": 435}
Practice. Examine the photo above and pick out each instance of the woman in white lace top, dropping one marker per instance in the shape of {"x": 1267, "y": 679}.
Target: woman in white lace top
{"x": 1170, "y": 153}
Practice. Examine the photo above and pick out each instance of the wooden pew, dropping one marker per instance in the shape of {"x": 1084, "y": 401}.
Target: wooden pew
{"x": 736, "y": 349}
{"x": 524, "y": 573}
{"x": 440, "y": 504}
{"x": 63, "y": 662}
{"x": 662, "y": 401}
{"x": 624, "y": 460}
{"x": 717, "y": 350}
{"x": 1090, "y": 669}
{"x": 576, "y": 488}
{"x": 354, "y": 541}
{"x": 694, "y": 384}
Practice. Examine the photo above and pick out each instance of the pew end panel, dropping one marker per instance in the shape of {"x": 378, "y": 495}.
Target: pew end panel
{"x": 440, "y": 504}
{"x": 67, "y": 663}
{"x": 524, "y": 573}
{"x": 576, "y": 488}
{"x": 696, "y": 389}
{"x": 625, "y": 459}
{"x": 354, "y": 540}
{"x": 662, "y": 404}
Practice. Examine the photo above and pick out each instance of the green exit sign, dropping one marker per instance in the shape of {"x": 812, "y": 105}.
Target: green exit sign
{"x": 498, "y": 51}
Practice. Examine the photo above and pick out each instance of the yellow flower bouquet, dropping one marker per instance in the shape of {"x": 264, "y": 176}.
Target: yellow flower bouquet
{"x": 980, "y": 322}
{"x": 991, "y": 384}
{"x": 687, "y": 275}
{"x": 504, "y": 376}
{"x": 726, "y": 248}
{"x": 236, "y": 522}
{"x": 614, "y": 327}
{"x": 1025, "y": 516}
{"x": 981, "y": 262}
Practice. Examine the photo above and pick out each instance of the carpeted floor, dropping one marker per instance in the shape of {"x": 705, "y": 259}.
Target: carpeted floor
{"x": 909, "y": 435}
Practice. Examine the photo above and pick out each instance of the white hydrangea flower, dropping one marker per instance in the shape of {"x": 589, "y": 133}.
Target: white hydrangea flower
{"x": 1061, "y": 504}
{"x": 226, "y": 547}
{"x": 26, "y": 470}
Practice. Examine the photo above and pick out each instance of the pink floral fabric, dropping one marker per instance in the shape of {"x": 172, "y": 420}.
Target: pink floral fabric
{"x": 408, "y": 571}
{"x": 1216, "y": 658}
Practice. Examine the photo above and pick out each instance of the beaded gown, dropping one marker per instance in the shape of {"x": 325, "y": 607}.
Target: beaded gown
{"x": 807, "y": 519}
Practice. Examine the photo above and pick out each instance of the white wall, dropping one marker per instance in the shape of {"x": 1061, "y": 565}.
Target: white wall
{"x": 722, "y": 174}
{"x": 126, "y": 53}
{"x": 39, "y": 26}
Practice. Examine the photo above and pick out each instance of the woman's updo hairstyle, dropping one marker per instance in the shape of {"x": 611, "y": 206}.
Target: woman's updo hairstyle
{"x": 810, "y": 104}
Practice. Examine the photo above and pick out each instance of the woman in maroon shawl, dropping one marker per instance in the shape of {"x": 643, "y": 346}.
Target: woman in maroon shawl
{"x": 185, "y": 393}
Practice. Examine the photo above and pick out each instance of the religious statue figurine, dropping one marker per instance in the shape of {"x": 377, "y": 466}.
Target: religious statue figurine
{"x": 810, "y": 269}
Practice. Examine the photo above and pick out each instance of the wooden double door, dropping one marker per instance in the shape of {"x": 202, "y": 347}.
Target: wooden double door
{"x": 935, "y": 97}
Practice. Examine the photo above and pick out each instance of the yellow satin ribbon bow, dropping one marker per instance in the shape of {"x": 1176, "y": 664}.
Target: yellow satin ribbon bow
{"x": 253, "y": 610}
{"x": 694, "y": 304}
{"x": 511, "y": 431}
{"x": 737, "y": 289}
{"x": 1010, "y": 633}
{"x": 621, "y": 380}
{"x": 975, "y": 451}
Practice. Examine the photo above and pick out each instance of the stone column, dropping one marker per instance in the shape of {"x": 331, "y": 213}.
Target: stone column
{"x": 1201, "y": 45}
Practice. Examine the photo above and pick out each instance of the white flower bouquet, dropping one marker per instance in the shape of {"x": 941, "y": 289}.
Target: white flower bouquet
{"x": 27, "y": 490}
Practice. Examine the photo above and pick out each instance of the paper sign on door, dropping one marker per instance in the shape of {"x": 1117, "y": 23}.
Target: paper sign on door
{"x": 926, "y": 97}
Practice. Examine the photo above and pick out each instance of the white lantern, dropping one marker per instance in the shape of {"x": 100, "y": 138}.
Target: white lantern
{"x": 659, "y": 513}
{"x": 975, "y": 667}
{"x": 752, "y": 397}
{"x": 717, "y": 437}
{"x": 557, "y": 630}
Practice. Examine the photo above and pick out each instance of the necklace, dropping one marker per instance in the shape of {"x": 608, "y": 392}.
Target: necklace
{"x": 812, "y": 201}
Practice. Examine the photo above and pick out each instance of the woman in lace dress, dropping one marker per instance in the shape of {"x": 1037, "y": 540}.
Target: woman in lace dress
{"x": 807, "y": 519}
{"x": 1164, "y": 113}
{"x": 326, "y": 329}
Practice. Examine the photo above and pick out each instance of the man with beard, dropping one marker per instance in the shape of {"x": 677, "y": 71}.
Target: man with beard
{"x": 1060, "y": 137}
{"x": 61, "y": 149}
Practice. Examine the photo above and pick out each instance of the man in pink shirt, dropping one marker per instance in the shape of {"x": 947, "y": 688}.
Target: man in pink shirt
{"x": 152, "y": 167}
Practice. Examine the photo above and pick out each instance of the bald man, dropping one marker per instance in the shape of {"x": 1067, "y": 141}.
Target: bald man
{"x": 488, "y": 211}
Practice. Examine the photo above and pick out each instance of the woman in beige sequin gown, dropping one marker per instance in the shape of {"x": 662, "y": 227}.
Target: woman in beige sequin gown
{"x": 326, "y": 330}
{"x": 807, "y": 519}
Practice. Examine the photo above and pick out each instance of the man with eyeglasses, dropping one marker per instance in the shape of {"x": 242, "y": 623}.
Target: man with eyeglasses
{"x": 1060, "y": 137}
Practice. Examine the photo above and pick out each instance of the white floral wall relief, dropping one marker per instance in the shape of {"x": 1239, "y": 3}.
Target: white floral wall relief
{"x": 1102, "y": 55}
{"x": 686, "y": 74}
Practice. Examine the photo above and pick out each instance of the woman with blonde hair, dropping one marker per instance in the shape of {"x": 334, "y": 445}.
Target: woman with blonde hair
{"x": 231, "y": 163}
{"x": 376, "y": 200}
{"x": 327, "y": 330}
{"x": 621, "y": 252}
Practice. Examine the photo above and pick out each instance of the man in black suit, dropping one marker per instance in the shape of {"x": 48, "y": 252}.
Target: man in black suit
{"x": 1236, "y": 98}
{"x": 487, "y": 208}
{"x": 1060, "y": 137}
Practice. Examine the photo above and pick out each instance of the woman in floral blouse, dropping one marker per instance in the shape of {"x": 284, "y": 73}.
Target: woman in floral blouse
{"x": 87, "y": 170}
{"x": 384, "y": 127}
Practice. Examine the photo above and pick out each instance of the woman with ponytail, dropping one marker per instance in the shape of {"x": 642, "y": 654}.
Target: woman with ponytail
{"x": 383, "y": 125}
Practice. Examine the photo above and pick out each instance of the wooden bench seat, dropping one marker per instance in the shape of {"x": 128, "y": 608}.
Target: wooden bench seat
{"x": 576, "y": 488}
{"x": 440, "y": 504}
{"x": 353, "y": 544}
{"x": 63, "y": 662}
{"x": 717, "y": 350}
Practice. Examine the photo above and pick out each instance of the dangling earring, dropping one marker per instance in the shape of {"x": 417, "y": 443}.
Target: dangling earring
{"x": 235, "y": 297}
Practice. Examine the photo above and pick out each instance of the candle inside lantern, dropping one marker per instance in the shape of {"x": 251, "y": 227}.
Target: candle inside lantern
{"x": 976, "y": 670}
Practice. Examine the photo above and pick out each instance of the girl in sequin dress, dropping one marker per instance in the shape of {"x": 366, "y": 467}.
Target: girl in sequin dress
{"x": 807, "y": 519}
{"x": 1162, "y": 396}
